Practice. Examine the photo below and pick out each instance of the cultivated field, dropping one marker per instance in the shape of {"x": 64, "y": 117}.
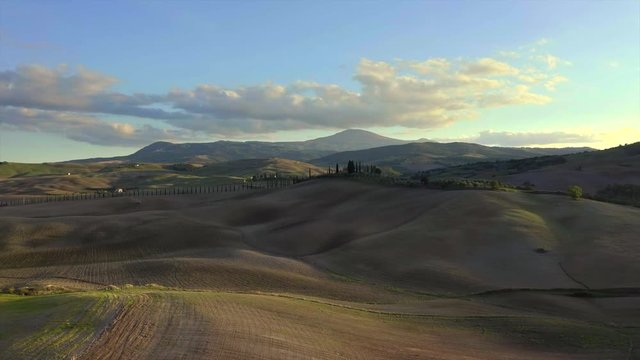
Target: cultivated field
{"x": 326, "y": 269}
{"x": 18, "y": 179}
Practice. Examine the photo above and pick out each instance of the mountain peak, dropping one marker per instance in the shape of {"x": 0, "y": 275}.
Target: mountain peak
{"x": 359, "y": 132}
{"x": 355, "y": 131}
{"x": 352, "y": 139}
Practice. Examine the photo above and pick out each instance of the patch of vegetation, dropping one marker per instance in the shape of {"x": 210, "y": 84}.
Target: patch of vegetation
{"x": 126, "y": 167}
{"x": 50, "y": 326}
{"x": 632, "y": 149}
{"x": 504, "y": 167}
{"x": 154, "y": 286}
{"x": 575, "y": 192}
{"x": 181, "y": 167}
{"x": 625, "y": 194}
{"x": 34, "y": 290}
{"x": 462, "y": 184}
{"x": 554, "y": 333}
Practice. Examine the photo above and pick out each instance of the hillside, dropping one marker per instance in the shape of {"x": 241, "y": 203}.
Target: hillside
{"x": 592, "y": 171}
{"x": 386, "y": 272}
{"x": 430, "y": 155}
{"x": 251, "y": 167}
{"x": 65, "y": 178}
{"x": 12, "y": 169}
{"x": 219, "y": 151}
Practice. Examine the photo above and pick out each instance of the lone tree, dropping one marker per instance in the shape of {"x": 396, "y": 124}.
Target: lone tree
{"x": 351, "y": 167}
{"x": 575, "y": 192}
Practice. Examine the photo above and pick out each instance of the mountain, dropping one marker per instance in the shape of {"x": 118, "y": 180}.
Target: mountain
{"x": 352, "y": 139}
{"x": 346, "y": 145}
{"x": 220, "y": 151}
{"x": 430, "y": 155}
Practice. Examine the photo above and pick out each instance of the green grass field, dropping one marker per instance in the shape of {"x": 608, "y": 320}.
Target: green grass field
{"x": 93, "y": 325}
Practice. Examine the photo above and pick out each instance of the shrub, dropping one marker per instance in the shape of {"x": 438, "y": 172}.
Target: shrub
{"x": 575, "y": 192}
{"x": 459, "y": 184}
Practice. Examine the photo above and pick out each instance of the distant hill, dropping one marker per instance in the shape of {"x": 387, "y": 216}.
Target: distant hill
{"x": 250, "y": 167}
{"x": 219, "y": 151}
{"x": 11, "y": 169}
{"x": 430, "y": 155}
{"x": 64, "y": 178}
{"x": 592, "y": 170}
{"x": 352, "y": 144}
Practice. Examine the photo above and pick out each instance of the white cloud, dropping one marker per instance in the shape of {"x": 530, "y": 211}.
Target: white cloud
{"x": 415, "y": 94}
{"x": 431, "y": 66}
{"x": 36, "y": 86}
{"x": 488, "y": 66}
{"x": 542, "y": 41}
{"x": 506, "y": 138}
{"x": 509, "y": 54}
{"x": 430, "y": 94}
{"x": 84, "y": 128}
{"x": 551, "y": 61}
{"x": 551, "y": 83}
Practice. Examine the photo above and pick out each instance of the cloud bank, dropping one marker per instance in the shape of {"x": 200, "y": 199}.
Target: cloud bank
{"x": 506, "y": 138}
{"x": 412, "y": 94}
{"x": 85, "y": 128}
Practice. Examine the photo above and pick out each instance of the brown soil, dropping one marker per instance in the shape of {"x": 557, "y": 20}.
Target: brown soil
{"x": 335, "y": 269}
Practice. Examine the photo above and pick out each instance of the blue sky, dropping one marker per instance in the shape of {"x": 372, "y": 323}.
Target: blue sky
{"x": 81, "y": 79}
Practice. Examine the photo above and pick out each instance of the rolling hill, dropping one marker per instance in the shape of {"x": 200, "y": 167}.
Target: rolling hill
{"x": 592, "y": 170}
{"x": 429, "y": 155}
{"x": 383, "y": 273}
{"x": 63, "y": 178}
{"x": 251, "y": 167}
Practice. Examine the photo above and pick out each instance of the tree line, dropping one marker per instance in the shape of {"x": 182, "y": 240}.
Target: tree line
{"x": 354, "y": 167}
{"x": 168, "y": 191}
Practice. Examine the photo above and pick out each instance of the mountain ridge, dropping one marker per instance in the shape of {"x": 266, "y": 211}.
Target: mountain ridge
{"x": 350, "y": 144}
{"x": 430, "y": 155}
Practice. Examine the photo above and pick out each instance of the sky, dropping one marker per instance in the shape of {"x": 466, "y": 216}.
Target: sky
{"x": 81, "y": 79}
